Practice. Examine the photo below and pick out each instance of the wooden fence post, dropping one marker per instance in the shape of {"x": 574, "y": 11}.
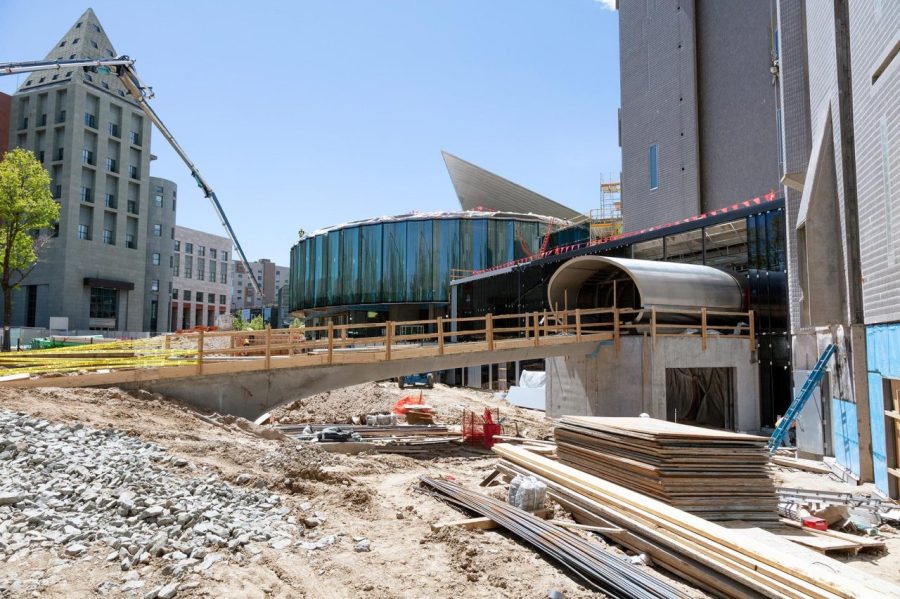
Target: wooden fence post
{"x": 537, "y": 330}
{"x": 578, "y": 324}
{"x": 440, "y": 335}
{"x": 388, "y": 336}
{"x": 200, "y": 352}
{"x": 330, "y": 341}
{"x": 703, "y": 331}
{"x": 546, "y": 326}
{"x": 167, "y": 343}
{"x": 489, "y": 330}
{"x": 617, "y": 333}
{"x": 653, "y": 326}
{"x": 752, "y": 331}
{"x": 268, "y": 347}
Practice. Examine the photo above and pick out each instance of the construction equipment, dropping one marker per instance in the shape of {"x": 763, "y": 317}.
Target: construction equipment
{"x": 815, "y": 377}
{"x": 425, "y": 379}
{"x": 123, "y": 68}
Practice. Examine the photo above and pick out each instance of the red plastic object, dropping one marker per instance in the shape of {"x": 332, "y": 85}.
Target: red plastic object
{"x": 814, "y": 522}
{"x": 480, "y": 430}
{"x": 400, "y": 407}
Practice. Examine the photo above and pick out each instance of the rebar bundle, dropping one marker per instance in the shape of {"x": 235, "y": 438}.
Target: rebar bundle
{"x": 595, "y": 567}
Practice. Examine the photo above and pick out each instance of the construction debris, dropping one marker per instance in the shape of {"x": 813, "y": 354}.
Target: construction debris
{"x": 718, "y": 475}
{"x": 599, "y": 569}
{"x": 722, "y": 561}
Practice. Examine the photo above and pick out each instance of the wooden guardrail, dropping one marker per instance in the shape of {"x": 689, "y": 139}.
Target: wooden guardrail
{"x": 213, "y": 352}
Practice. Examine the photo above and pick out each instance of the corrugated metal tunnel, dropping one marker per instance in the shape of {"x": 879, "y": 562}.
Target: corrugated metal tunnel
{"x": 602, "y": 282}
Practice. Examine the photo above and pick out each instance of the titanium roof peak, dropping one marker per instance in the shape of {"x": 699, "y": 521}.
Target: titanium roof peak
{"x": 480, "y": 189}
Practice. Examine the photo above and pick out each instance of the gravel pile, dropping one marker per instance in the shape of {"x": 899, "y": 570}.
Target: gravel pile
{"x": 74, "y": 488}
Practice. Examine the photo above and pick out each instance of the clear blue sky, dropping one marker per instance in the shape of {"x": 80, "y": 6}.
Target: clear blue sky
{"x": 306, "y": 114}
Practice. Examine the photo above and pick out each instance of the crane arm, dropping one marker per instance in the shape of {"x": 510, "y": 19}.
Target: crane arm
{"x": 123, "y": 67}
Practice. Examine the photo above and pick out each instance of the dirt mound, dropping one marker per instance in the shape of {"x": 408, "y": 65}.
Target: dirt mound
{"x": 338, "y": 406}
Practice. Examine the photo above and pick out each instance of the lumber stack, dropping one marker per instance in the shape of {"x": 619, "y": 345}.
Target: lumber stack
{"x": 723, "y": 561}
{"x": 718, "y": 475}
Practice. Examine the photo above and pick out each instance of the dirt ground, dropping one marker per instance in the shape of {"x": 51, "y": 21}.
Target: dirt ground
{"x": 371, "y": 496}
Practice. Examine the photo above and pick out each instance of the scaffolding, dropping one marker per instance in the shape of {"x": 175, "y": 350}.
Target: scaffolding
{"x": 606, "y": 220}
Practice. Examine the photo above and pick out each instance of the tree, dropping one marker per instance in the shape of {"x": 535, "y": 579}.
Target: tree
{"x": 256, "y": 323}
{"x": 26, "y": 210}
{"x": 237, "y": 323}
{"x": 296, "y": 324}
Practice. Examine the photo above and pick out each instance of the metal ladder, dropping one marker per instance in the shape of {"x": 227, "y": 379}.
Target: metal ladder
{"x": 815, "y": 377}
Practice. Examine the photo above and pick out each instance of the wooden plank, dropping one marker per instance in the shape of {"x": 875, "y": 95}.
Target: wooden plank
{"x": 440, "y": 335}
{"x": 801, "y": 464}
{"x": 710, "y": 538}
{"x": 200, "y": 346}
{"x": 600, "y": 529}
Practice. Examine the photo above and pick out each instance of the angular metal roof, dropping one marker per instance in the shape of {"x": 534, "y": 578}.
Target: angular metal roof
{"x": 479, "y": 189}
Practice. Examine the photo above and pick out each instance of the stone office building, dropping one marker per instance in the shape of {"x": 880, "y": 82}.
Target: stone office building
{"x": 98, "y": 268}
{"x": 201, "y": 289}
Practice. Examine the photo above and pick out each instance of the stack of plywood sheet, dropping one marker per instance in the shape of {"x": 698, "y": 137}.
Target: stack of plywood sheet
{"x": 718, "y": 475}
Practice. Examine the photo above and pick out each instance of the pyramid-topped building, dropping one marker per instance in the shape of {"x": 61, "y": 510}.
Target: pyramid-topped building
{"x": 107, "y": 265}
{"x": 85, "y": 39}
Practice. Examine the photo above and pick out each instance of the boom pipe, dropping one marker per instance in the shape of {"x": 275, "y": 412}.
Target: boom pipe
{"x": 124, "y": 70}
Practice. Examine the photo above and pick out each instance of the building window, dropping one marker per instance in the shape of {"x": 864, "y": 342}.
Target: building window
{"x": 221, "y": 299}
{"x": 110, "y": 201}
{"x": 175, "y": 294}
{"x": 59, "y": 153}
{"x": 212, "y": 253}
{"x": 159, "y": 189}
{"x": 90, "y": 120}
{"x": 103, "y": 303}
{"x": 201, "y": 265}
{"x": 188, "y": 268}
{"x": 154, "y": 284}
{"x": 111, "y": 165}
{"x": 187, "y": 294}
{"x": 157, "y": 230}
{"x": 94, "y": 44}
{"x": 210, "y": 298}
{"x": 133, "y": 172}
{"x": 41, "y": 156}
{"x": 135, "y": 138}
{"x": 189, "y": 248}
{"x": 224, "y": 256}
{"x": 130, "y": 243}
{"x": 84, "y": 232}
{"x": 109, "y": 237}
{"x": 57, "y": 192}
{"x": 132, "y": 207}
{"x": 177, "y": 246}
{"x": 176, "y": 262}
{"x": 114, "y": 130}
{"x": 87, "y": 194}
{"x": 653, "y": 164}
{"x": 158, "y": 200}
{"x": 201, "y": 250}
{"x": 154, "y": 258}
{"x": 61, "y": 116}
{"x": 212, "y": 271}
{"x": 87, "y": 157}
{"x": 224, "y": 278}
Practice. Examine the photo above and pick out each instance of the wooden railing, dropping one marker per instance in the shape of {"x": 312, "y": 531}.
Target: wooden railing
{"x": 446, "y": 335}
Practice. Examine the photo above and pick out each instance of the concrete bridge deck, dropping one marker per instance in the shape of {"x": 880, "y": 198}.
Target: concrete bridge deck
{"x": 248, "y": 373}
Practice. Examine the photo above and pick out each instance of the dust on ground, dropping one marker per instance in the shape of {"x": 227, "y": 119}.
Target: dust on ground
{"x": 375, "y": 497}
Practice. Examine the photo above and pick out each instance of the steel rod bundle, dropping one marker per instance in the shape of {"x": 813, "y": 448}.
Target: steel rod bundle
{"x": 596, "y": 567}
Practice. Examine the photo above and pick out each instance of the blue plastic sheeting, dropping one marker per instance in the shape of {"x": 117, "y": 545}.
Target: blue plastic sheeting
{"x": 883, "y": 358}
{"x": 845, "y": 434}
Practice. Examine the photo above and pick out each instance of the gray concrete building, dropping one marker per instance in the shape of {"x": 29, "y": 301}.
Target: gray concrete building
{"x": 698, "y": 123}
{"x": 271, "y": 277}
{"x": 201, "y": 289}
{"x": 839, "y": 81}
{"x": 160, "y": 254}
{"x": 95, "y": 143}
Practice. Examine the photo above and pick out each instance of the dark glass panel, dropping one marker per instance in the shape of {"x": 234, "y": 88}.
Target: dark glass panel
{"x": 419, "y": 249}
{"x": 446, "y": 256}
{"x": 394, "y": 262}
{"x": 350, "y": 266}
{"x": 370, "y": 278}
{"x": 333, "y": 290}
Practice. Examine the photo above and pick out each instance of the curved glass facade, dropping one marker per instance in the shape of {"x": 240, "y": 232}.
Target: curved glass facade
{"x": 405, "y": 259}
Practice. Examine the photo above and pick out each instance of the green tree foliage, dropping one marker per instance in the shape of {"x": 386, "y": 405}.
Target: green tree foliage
{"x": 257, "y": 323}
{"x": 296, "y": 324}
{"x": 26, "y": 208}
{"x": 237, "y": 323}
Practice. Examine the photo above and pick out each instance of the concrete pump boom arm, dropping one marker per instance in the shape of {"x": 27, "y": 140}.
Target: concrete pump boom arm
{"x": 123, "y": 67}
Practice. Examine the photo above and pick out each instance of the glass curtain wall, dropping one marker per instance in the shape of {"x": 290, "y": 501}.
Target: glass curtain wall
{"x": 408, "y": 261}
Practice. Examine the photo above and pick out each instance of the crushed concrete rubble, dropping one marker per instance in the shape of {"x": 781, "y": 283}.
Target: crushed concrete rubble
{"x": 82, "y": 490}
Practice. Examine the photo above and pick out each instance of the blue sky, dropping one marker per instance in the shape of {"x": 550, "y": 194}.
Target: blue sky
{"x": 306, "y": 114}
